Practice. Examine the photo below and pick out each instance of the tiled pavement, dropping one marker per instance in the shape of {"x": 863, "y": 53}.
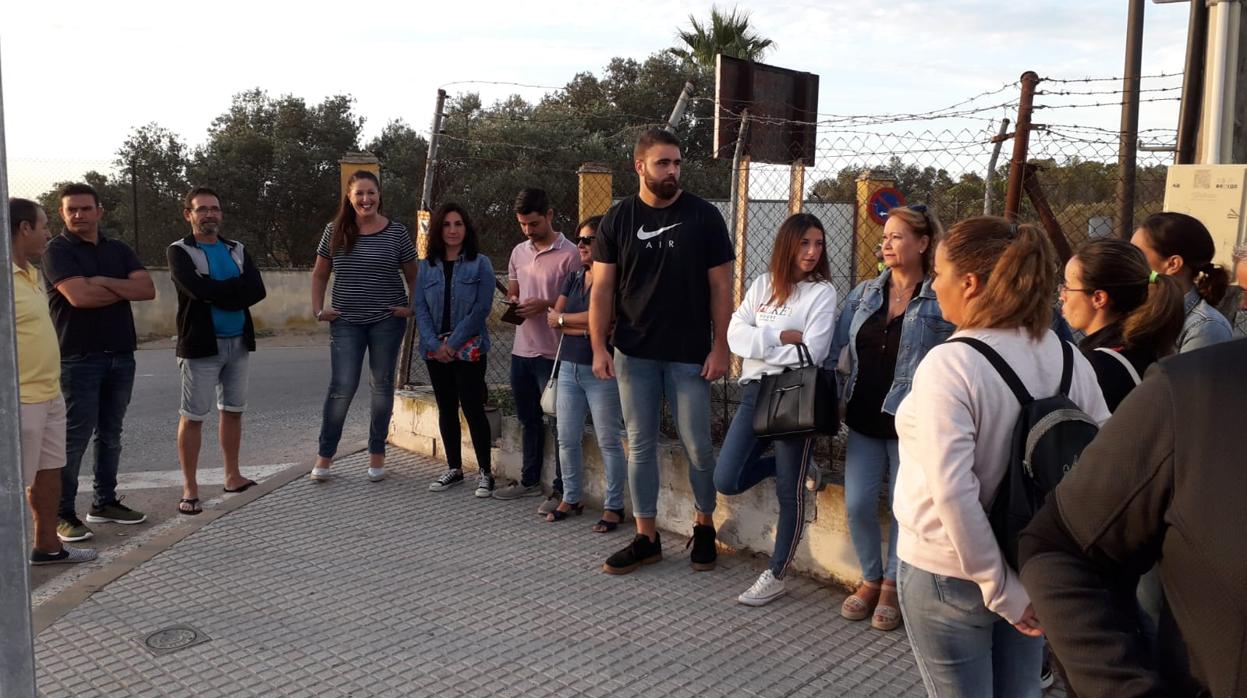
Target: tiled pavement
{"x": 355, "y": 588}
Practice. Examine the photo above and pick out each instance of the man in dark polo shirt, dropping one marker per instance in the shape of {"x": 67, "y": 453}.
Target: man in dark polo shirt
{"x": 91, "y": 280}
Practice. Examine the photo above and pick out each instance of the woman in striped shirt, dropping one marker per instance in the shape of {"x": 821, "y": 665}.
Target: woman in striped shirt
{"x": 369, "y": 257}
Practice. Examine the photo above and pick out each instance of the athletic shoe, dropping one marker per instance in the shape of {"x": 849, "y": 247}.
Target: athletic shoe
{"x": 65, "y": 556}
{"x": 115, "y": 512}
{"x": 376, "y": 474}
{"x": 515, "y": 490}
{"x": 485, "y": 486}
{"x": 1045, "y": 673}
{"x": 641, "y": 551}
{"x": 705, "y": 553}
{"x": 71, "y": 530}
{"x": 765, "y": 590}
{"x": 320, "y": 475}
{"x": 446, "y": 480}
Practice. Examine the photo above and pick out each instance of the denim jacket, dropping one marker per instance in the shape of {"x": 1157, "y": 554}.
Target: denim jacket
{"x": 923, "y": 327}
{"x": 1203, "y": 325}
{"x": 471, "y": 299}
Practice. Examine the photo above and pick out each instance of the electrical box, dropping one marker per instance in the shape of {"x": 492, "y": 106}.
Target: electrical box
{"x": 1216, "y": 195}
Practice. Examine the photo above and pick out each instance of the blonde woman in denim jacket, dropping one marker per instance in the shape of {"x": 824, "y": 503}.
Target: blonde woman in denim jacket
{"x": 887, "y": 326}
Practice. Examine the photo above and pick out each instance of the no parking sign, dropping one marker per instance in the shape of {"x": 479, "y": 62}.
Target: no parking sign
{"x": 882, "y": 201}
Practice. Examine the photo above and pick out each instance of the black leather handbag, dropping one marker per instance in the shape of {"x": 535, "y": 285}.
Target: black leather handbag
{"x": 797, "y": 402}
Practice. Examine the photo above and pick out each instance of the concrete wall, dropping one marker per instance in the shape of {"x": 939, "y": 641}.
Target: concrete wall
{"x": 287, "y": 306}
{"x": 745, "y": 522}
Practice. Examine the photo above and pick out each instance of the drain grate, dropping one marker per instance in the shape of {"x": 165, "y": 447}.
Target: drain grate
{"x": 174, "y": 638}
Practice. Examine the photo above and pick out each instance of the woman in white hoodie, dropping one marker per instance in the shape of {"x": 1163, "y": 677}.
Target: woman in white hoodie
{"x": 794, "y": 303}
{"x": 970, "y": 623}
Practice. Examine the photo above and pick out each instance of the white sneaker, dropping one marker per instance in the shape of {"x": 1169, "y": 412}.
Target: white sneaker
{"x": 376, "y": 474}
{"x": 485, "y": 486}
{"x": 763, "y": 591}
{"x": 320, "y": 475}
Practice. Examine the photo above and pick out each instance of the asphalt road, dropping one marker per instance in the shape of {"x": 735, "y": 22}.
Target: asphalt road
{"x": 285, "y": 395}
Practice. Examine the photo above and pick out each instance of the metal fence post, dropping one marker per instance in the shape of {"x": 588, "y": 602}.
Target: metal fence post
{"x": 1021, "y": 141}
{"x": 430, "y": 164}
{"x": 680, "y": 105}
{"x": 990, "y": 179}
{"x": 1129, "y": 138}
{"x": 796, "y": 187}
{"x": 17, "y": 645}
{"x": 739, "y": 204}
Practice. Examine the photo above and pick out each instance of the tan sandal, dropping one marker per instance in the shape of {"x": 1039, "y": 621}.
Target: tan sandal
{"x": 855, "y": 607}
{"x": 887, "y": 616}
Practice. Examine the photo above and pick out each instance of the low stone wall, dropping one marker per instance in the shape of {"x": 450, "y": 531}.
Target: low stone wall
{"x": 745, "y": 522}
{"x": 288, "y": 304}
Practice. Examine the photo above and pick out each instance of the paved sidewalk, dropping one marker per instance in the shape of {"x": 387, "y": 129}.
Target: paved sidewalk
{"x": 355, "y": 588}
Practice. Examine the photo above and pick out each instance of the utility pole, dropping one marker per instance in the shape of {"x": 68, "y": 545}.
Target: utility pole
{"x": 17, "y": 639}
{"x": 430, "y": 163}
{"x": 681, "y": 104}
{"x": 1129, "y": 136}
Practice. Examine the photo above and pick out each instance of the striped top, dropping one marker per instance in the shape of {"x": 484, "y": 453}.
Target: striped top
{"x": 368, "y": 281}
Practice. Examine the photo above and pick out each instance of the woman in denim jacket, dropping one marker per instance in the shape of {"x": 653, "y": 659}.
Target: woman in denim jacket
{"x": 1180, "y": 246}
{"x": 887, "y": 325}
{"x": 456, "y": 291}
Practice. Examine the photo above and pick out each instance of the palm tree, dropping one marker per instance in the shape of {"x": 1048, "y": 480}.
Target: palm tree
{"x": 728, "y": 34}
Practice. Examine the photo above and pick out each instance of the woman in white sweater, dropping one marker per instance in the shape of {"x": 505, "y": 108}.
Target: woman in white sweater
{"x": 970, "y": 622}
{"x": 794, "y": 303}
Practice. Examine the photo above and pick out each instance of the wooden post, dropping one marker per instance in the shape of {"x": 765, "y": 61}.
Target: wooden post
{"x": 796, "y": 187}
{"x": 740, "y": 220}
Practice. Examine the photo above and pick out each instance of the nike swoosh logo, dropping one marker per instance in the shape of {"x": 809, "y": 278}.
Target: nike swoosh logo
{"x": 643, "y": 234}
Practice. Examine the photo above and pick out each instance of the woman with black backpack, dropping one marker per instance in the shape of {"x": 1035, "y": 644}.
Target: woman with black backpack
{"x": 970, "y": 623}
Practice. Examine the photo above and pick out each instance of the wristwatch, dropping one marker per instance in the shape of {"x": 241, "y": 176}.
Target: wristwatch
{"x": 560, "y": 321}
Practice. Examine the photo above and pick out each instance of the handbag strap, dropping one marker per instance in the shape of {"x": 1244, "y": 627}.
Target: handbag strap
{"x": 557, "y": 353}
{"x": 1134, "y": 375}
{"x": 803, "y": 353}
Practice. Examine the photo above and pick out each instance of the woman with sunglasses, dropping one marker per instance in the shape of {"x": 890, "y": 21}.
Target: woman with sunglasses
{"x": 888, "y": 325}
{"x": 456, "y": 292}
{"x": 581, "y": 393}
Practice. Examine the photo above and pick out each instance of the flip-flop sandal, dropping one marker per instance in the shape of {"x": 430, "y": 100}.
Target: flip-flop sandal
{"x": 245, "y": 486}
{"x": 192, "y": 507}
{"x": 604, "y": 526}
{"x": 559, "y": 514}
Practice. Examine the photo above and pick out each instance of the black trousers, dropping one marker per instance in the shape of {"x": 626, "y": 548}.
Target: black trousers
{"x": 456, "y": 385}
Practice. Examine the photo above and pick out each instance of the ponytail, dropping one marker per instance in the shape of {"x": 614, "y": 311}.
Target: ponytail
{"x": 1148, "y": 305}
{"x": 1017, "y": 266}
{"x": 1175, "y": 234}
{"x": 1158, "y": 322}
{"x": 1211, "y": 283}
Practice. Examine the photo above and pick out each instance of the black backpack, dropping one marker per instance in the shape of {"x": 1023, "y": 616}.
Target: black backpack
{"x": 1048, "y": 438}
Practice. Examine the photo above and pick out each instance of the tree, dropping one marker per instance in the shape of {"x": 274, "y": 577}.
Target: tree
{"x": 275, "y": 164}
{"x": 402, "y": 153}
{"x": 729, "y": 34}
{"x": 151, "y": 168}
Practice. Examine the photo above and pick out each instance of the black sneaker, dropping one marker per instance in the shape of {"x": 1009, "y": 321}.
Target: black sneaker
{"x": 448, "y": 479}
{"x": 705, "y": 553}
{"x": 641, "y": 551}
{"x": 115, "y": 512}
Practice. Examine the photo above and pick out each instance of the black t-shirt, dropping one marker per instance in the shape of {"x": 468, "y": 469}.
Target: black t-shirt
{"x": 448, "y": 273}
{"x": 1115, "y": 381}
{"x": 576, "y": 347}
{"x": 878, "y": 343}
{"x": 89, "y": 330}
{"x": 662, "y": 293}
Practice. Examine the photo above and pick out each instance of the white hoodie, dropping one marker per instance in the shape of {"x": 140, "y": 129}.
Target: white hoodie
{"x": 754, "y": 331}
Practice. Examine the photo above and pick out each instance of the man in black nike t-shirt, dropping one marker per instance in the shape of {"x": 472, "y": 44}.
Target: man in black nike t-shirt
{"x": 663, "y": 269}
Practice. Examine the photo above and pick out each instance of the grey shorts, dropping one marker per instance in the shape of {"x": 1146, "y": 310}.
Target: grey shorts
{"x": 226, "y": 373}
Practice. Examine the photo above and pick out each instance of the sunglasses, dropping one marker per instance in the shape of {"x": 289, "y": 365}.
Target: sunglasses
{"x": 584, "y": 240}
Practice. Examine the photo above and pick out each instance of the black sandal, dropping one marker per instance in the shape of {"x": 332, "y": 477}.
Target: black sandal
{"x": 559, "y": 515}
{"x": 191, "y": 510}
{"x": 604, "y": 526}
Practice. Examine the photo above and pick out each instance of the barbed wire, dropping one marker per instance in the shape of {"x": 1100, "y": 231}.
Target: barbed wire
{"x": 1104, "y": 92}
{"x": 501, "y": 83}
{"x": 1105, "y": 104}
{"x": 1157, "y": 76}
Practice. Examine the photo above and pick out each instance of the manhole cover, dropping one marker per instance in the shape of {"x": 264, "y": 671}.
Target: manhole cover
{"x": 174, "y": 638}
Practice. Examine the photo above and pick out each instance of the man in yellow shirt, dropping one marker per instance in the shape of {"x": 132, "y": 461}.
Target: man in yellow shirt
{"x": 39, "y": 371}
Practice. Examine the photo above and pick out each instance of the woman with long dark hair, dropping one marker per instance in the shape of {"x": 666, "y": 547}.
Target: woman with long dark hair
{"x": 1131, "y": 315}
{"x": 1178, "y": 245}
{"x": 370, "y": 257}
{"x": 792, "y": 304}
{"x": 970, "y": 624}
{"x": 888, "y": 325}
{"x": 456, "y": 292}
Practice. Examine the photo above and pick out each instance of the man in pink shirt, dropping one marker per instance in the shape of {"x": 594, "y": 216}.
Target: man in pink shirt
{"x": 535, "y": 273}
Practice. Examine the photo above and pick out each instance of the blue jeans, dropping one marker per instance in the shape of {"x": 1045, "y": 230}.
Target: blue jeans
{"x": 97, "y": 391}
{"x": 961, "y": 648}
{"x": 865, "y": 461}
{"x": 347, "y": 344}
{"x": 581, "y": 393}
{"x": 642, "y": 385}
{"x": 529, "y": 375}
{"x": 741, "y": 466}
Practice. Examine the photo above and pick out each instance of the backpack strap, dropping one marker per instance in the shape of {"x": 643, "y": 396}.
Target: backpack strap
{"x": 1125, "y": 363}
{"x": 1067, "y": 367}
{"x": 1002, "y": 367}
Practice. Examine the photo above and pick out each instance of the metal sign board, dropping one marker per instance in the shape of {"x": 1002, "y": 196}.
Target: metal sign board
{"x": 882, "y": 201}
{"x": 783, "y": 105}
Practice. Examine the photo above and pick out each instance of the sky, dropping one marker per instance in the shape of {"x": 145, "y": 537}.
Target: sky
{"x": 78, "y": 76}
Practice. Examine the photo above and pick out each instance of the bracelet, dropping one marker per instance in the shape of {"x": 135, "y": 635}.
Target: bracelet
{"x": 318, "y": 312}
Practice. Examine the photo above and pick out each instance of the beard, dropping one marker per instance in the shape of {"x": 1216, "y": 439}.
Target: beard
{"x": 663, "y": 189}
{"x": 209, "y": 227}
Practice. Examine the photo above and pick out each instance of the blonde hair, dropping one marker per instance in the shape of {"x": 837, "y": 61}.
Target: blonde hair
{"x": 923, "y": 223}
{"x": 1017, "y": 267}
